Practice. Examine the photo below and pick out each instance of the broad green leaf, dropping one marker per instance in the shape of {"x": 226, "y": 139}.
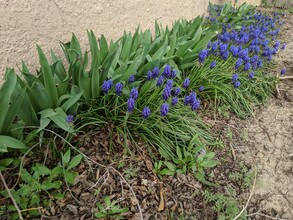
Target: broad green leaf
{"x": 30, "y": 78}
{"x": 13, "y": 110}
{"x": 5, "y": 96}
{"x": 66, "y": 157}
{"x": 103, "y": 47}
{"x": 74, "y": 161}
{"x": 107, "y": 201}
{"x": 69, "y": 177}
{"x": 126, "y": 47}
{"x": 167, "y": 172}
{"x": 56, "y": 172}
{"x": 209, "y": 163}
{"x": 38, "y": 96}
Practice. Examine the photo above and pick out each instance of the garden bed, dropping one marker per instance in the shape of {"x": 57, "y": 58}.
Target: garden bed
{"x": 112, "y": 142}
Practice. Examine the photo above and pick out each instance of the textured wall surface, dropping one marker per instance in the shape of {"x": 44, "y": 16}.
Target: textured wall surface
{"x": 25, "y": 23}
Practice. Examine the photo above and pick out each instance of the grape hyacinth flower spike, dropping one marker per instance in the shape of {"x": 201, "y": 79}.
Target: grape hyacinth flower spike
{"x": 146, "y": 112}
{"x": 283, "y": 71}
{"x": 69, "y": 119}
{"x": 119, "y": 88}
{"x": 186, "y": 83}
{"x": 164, "y": 109}
{"x": 131, "y": 79}
{"x": 130, "y": 105}
{"x": 107, "y": 85}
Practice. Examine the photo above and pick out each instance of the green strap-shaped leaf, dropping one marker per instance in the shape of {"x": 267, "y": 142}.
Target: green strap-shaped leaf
{"x": 48, "y": 78}
{"x": 5, "y": 96}
{"x": 7, "y": 142}
{"x": 103, "y": 47}
{"x": 13, "y": 110}
{"x": 94, "y": 74}
{"x": 77, "y": 93}
{"x": 126, "y": 48}
{"x": 30, "y": 78}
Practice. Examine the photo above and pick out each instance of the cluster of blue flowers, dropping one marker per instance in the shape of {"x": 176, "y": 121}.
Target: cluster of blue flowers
{"x": 251, "y": 44}
{"x": 169, "y": 91}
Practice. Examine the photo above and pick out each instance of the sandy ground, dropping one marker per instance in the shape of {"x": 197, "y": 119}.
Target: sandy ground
{"x": 269, "y": 143}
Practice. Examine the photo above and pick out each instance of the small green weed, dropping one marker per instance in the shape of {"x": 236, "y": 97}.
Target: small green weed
{"x": 110, "y": 209}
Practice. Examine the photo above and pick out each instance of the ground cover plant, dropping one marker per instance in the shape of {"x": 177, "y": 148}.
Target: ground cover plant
{"x": 148, "y": 92}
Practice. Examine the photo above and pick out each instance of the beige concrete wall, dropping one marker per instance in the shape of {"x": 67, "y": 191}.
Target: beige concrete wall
{"x": 25, "y": 23}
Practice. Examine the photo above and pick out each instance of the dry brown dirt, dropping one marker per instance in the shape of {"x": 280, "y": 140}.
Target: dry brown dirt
{"x": 269, "y": 142}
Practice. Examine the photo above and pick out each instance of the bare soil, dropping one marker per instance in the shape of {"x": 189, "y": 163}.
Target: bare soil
{"x": 268, "y": 142}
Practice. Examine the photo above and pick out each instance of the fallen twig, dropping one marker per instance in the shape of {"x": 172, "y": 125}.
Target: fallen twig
{"x": 267, "y": 216}
{"x": 10, "y": 195}
{"x": 286, "y": 77}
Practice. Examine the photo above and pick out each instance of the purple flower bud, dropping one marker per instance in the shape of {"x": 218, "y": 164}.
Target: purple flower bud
{"x": 167, "y": 71}
{"x": 146, "y": 112}
{"x": 164, "y": 109}
{"x": 247, "y": 66}
{"x": 236, "y": 84}
{"x": 251, "y": 75}
{"x": 186, "y": 83}
{"x": 169, "y": 83}
{"x": 186, "y": 100}
{"x": 283, "y": 47}
{"x": 177, "y": 91}
{"x": 203, "y": 55}
{"x": 134, "y": 93}
{"x": 235, "y": 77}
{"x": 149, "y": 75}
{"x": 225, "y": 55}
{"x": 213, "y": 64}
{"x": 160, "y": 80}
{"x": 107, "y": 85}
{"x": 119, "y": 88}
{"x": 283, "y": 71}
{"x": 238, "y": 63}
{"x": 173, "y": 74}
{"x": 69, "y": 119}
{"x": 201, "y": 88}
{"x": 195, "y": 104}
{"x": 192, "y": 97}
{"x": 131, "y": 79}
{"x": 166, "y": 93}
{"x": 156, "y": 72}
{"x": 130, "y": 105}
{"x": 174, "y": 101}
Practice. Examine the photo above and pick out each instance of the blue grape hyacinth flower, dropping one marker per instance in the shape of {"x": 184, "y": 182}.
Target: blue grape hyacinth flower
{"x": 160, "y": 80}
{"x": 213, "y": 64}
{"x": 69, "y": 119}
{"x": 166, "y": 93}
{"x": 107, "y": 85}
{"x": 251, "y": 75}
{"x": 164, "y": 109}
{"x": 149, "y": 75}
{"x": 131, "y": 79}
{"x": 235, "y": 77}
{"x": 201, "y": 88}
{"x": 283, "y": 71}
{"x": 236, "y": 84}
{"x": 134, "y": 93}
{"x": 174, "y": 101}
{"x": 146, "y": 112}
{"x": 119, "y": 88}
{"x": 156, "y": 72}
{"x": 177, "y": 91}
{"x": 167, "y": 71}
{"x": 186, "y": 83}
{"x": 130, "y": 105}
